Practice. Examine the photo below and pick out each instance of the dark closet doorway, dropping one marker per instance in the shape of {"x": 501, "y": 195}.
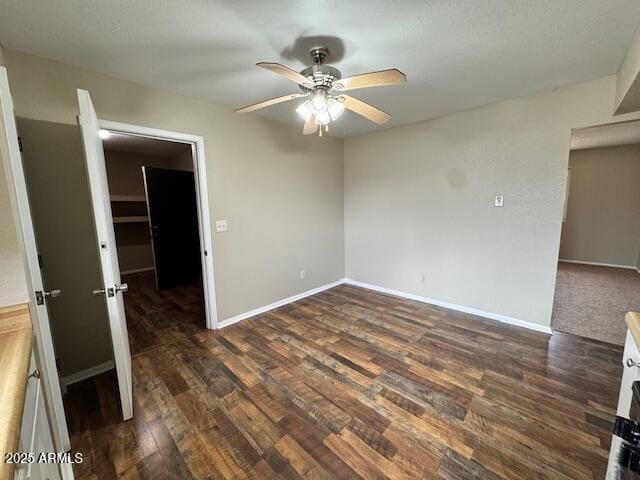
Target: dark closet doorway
{"x": 173, "y": 220}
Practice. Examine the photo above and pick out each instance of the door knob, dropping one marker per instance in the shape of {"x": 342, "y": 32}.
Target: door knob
{"x": 124, "y": 288}
{"x": 102, "y": 291}
{"x": 40, "y": 295}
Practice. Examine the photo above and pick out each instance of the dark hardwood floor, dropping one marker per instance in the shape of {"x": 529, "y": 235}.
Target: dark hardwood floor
{"x": 354, "y": 384}
{"x": 160, "y": 317}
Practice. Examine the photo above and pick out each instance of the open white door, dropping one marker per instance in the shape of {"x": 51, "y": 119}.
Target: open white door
{"x": 10, "y": 150}
{"x": 112, "y": 289}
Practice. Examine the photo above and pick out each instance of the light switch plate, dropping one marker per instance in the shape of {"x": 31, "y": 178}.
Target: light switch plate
{"x": 498, "y": 201}
{"x": 221, "y": 226}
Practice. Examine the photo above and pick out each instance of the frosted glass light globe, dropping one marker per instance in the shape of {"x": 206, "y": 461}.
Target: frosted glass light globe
{"x": 319, "y": 102}
{"x": 335, "y": 108}
{"x": 304, "y": 110}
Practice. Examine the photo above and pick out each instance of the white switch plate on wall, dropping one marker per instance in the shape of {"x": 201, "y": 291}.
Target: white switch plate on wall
{"x": 498, "y": 201}
{"x": 221, "y": 226}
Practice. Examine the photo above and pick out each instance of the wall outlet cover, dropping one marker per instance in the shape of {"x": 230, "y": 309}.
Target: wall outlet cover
{"x": 498, "y": 201}
{"x": 221, "y": 226}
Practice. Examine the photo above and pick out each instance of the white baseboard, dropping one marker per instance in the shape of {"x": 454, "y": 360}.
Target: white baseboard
{"x": 452, "y": 306}
{"x": 598, "y": 264}
{"x": 87, "y": 373}
{"x": 137, "y": 270}
{"x": 279, "y": 303}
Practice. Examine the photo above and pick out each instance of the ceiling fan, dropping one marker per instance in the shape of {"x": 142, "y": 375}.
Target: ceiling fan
{"x": 322, "y": 86}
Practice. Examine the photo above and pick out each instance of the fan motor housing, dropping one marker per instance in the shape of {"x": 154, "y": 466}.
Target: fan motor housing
{"x": 322, "y": 76}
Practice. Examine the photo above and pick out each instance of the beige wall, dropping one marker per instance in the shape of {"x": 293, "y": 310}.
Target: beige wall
{"x": 419, "y": 200}
{"x": 603, "y": 212}
{"x": 13, "y": 283}
{"x": 281, "y": 193}
{"x": 124, "y": 173}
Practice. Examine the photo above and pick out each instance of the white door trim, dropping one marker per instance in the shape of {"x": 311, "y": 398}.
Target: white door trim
{"x": 14, "y": 173}
{"x": 202, "y": 193}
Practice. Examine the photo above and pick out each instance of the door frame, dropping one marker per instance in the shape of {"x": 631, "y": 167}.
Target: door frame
{"x": 202, "y": 194}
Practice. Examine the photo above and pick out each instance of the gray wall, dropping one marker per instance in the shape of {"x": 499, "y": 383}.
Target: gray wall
{"x": 603, "y": 211}
{"x": 419, "y": 201}
{"x": 281, "y": 193}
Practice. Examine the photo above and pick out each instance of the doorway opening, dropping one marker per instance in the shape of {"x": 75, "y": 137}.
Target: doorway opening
{"x": 59, "y": 189}
{"x": 187, "y": 155}
{"x": 153, "y": 199}
{"x": 150, "y": 178}
{"x": 598, "y": 276}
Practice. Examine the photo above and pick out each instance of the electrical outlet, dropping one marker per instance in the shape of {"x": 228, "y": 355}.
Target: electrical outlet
{"x": 423, "y": 277}
{"x": 303, "y": 274}
{"x": 498, "y": 201}
{"x": 221, "y": 226}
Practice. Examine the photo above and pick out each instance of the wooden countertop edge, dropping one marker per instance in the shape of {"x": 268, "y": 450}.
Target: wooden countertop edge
{"x": 16, "y": 336}
{"x": 633, "y": 323}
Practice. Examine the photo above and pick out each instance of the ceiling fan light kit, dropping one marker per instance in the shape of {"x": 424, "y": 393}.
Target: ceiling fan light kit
{"x": 322, "y": 86}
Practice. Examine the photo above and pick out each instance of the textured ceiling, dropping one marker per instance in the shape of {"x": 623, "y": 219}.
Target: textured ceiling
{"x": 456, "y": 54}
{"x": 609, "y": 135}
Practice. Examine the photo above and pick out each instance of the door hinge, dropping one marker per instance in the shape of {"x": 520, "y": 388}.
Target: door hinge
{"x": 20, "y": 143}
{"x": 40, "y": 260}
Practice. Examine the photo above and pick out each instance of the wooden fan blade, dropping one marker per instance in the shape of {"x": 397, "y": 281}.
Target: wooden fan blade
{"x": 372, "y": 79}
{"x": 268, "y": 103}
{"x": 287, "y": 72}
{"x": 367, "y": 111}
{"x": 310, "y": 126}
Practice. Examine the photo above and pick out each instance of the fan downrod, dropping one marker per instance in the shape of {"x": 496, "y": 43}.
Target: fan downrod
{"x": 318, "y": 54}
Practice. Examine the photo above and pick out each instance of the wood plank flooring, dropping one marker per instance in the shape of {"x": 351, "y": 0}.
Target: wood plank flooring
{"x": 159, "y": 317}
{"x": 355, "y": 384}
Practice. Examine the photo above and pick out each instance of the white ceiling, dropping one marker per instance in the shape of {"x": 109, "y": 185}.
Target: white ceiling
{"x": 609, "y": 135}
{"x": 456, "y": 54}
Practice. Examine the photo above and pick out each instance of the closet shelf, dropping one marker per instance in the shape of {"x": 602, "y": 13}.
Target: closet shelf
{"x": 127, "y": 198}
{"x": 131, "y": 219}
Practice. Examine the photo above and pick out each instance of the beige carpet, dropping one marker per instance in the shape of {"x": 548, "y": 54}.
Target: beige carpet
{"x": 592, "y": 301}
